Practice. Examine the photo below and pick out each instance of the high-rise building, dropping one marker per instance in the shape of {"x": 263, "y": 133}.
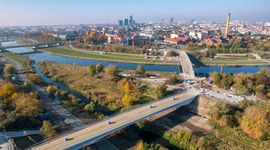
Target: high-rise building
{"x": 126, "y": 22}
{"x": 171, "y": 21}
{"x": 120, "y": 23}
{"x": 228, "y": 25}
{"x": 131, "y": 20}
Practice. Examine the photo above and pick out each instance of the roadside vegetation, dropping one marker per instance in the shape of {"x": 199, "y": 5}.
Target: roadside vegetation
{"x": 20, "y": 107}
{"x": 102, "y": 85}
{"x": 247, "y": 124}
{"x": 247, "y": 84}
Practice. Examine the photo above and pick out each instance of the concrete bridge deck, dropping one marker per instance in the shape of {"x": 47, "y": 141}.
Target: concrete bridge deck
{"x": 92, "y": 133}
{"x": 187, "y": 68}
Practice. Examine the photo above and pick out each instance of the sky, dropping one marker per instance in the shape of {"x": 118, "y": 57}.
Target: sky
{"x": 53, "y": 12}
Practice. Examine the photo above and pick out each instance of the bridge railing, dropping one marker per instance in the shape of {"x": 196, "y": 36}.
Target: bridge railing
{"x": 106, "y": 118}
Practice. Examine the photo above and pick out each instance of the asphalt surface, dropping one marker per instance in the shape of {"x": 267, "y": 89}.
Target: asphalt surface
{"x": 101, "y": 129}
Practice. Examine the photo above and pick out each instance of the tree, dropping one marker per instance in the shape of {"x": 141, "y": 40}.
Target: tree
{"x": 255, "y": 121}
{"x": 9, "y": 69}
{"x": 51, "y": 89}
{"x": 47, "y": 129}
{"x": 142, "y": 145}
{"x": 227, "y": 81}
{"x": 160, "y": 91}
{"x": 222, "y": 114}
{"x": 172, "y": 80}
{"x": 7, "y": 90}
{"x": 127, "y": 100}
{"x": 27, "y": 105}
{"x": 172, "y": 54}
{"x": 140, "y": 70}
{"x": 92, "y": 70}
{"x": 112, "y": 72}
{"x": 89, "y": 107}
{"x": 99, "y": 68}
{"x": 125, "y": 85}
{"x": 35, "y": 78}
{"x": 216, "y": 77}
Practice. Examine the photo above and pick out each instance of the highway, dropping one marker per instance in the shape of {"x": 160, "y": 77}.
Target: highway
{"x": 92, "y": 133}
{"x": 186, "y": 64}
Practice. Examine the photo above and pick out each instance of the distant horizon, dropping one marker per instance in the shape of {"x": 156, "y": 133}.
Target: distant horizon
{"x": 177, "y": 22}
{"x": 71, "y": 12}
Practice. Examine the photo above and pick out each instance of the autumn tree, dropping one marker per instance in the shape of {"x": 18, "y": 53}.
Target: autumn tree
{"x": 47, "y": 129}
{"x": 255, "y": 121}
{"x": 112, "y": 72}
{"x": 35, "y": 78}
{"x": 127, "y": 100}
{"x": 27, "y": 105}
{"x": 222, "y": 114}
{"x": 142, "y": 145}
{"x": 125, "y": 85}
{"x": 92, "y": 70}
{"x": 216, "y": 77}
{"x": 51, "y": 89}
{"x": 7, "y": 90}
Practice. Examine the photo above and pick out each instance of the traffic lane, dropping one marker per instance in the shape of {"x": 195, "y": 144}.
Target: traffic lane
{"x": 102, "y": 127}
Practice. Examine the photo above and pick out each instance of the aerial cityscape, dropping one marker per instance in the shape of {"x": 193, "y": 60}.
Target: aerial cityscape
{"x": 134, "y": 75}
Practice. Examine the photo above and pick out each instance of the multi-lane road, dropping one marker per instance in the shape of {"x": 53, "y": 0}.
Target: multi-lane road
{"x": 94, "y": 132}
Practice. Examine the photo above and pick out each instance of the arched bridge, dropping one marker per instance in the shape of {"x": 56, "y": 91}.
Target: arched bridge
{"x": 187, "y": 68}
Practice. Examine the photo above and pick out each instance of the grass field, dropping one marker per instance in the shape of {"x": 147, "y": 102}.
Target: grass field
{"x": 92, "y": 55}
{"x": 232, "y": 61}
{"x": 101, "y": 90}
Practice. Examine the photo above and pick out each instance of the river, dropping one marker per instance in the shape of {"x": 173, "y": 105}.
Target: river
{"x": 38, "y": 57}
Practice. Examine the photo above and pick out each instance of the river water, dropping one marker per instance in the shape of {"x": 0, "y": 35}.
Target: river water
{"x": 38, "y": 57}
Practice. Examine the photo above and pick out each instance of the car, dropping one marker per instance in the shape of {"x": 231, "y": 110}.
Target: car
{"x": 150, "y": 106}
{"x": 67, "y": 139}
{"x": 109, "y": 122}
{"x": 174, "y": 98}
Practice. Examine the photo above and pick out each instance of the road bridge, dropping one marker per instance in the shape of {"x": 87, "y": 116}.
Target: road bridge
{"x": 92, "y": 133}
{"x": 187, "y": 68}
{"x": 35, "y": 46}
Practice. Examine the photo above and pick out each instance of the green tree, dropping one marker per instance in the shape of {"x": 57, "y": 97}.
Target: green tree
{"x": 172, "y": 80}
{"x": 227, "y": 81}
{"x": 92, "y": 70}
{"x": 160, "y": 91}
{"x": 47, "y": 129}
{"x": 140, "y": 70}
{"x": 99, "y": 68}
{"x": 9, "y": 69}
{"x": 172, "y": 54}
{"x": 90, "y": 107}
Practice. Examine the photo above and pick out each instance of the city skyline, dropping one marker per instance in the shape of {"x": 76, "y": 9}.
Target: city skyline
{"x": 30, "y": 12}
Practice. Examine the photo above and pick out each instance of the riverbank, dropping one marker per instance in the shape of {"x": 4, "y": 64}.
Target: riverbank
{"x": 233, "y": 62}
{"x": 141, "y": 60}
{"x": 105, "y": 57}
